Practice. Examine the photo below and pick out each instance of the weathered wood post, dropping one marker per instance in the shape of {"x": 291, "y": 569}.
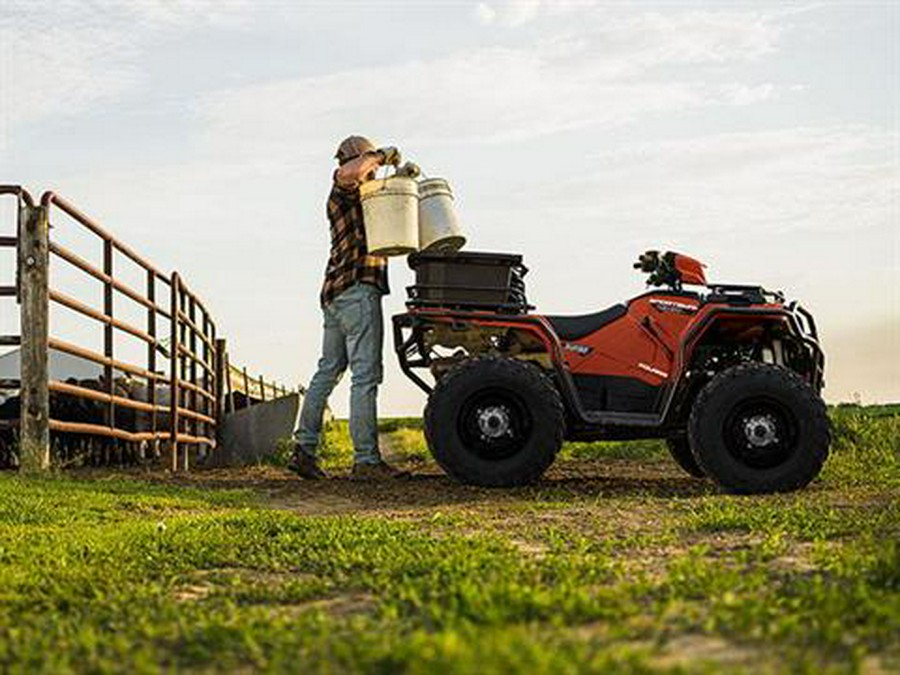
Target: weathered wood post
{"x": 33, "y": 264}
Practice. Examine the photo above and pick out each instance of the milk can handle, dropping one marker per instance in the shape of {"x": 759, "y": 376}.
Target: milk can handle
{"x": 385, "y": 179}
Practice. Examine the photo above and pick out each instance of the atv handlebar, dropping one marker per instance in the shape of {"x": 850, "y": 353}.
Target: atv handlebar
{"x": 647, "y": 262}
{"x": 661, "y": 269}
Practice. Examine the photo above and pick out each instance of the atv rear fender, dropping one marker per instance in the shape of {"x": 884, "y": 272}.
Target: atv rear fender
{"x": 412, "y": 352}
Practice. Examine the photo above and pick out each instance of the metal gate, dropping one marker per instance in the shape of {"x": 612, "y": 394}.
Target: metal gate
{"x": 169, "y": 400}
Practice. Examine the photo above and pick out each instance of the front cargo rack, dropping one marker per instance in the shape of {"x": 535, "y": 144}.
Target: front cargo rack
{"x": 469, "y": 280}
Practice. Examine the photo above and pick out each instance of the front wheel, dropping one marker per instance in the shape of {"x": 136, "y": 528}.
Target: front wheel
{"x": 494, "y": 422}
{"x": 759, "y": 428}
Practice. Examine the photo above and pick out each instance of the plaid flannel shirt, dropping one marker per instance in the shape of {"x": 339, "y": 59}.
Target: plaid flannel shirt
{"x": 349, "y": 261}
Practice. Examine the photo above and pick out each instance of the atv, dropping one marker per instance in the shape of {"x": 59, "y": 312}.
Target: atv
{"x": 729, "y": 375}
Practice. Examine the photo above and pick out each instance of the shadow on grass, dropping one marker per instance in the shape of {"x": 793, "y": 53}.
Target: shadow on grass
{"x": 572, "y": 481}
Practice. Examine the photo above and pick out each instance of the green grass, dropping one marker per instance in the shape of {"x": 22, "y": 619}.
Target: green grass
{"x": 124, "y": 575}
{"x": 640, "y": 449}
{"x": 398, "y": 435}
{"x": 404, "y": 436}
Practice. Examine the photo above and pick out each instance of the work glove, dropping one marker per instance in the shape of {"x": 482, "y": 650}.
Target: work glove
{"x": 409, "y": 170}
{"x": 391, "y": 155}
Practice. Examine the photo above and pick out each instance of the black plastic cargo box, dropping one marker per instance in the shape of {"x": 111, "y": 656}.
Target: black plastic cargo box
{"x": 469, "y": 280}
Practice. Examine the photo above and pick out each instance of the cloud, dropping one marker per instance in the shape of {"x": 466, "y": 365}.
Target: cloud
{"x": 648, "y": 37}
{"x": 819, "y": 180}
{"x": 511, "y": 13}
{"x": 692, "y": 36}
{"x": 624, "y": 43}
{"x": 490, "y": 95}
{"x": 738, "y": 93}
{"x": 61, "y": 57}
{"x": 518, "y": 12}
{"x": 119, "y": 14}
{"x": 602, "y": 72}
{"x": 51, "y": 71}
{"x": 613, "y": 69}
{"x": 167, "y": 14}
{"x": 485, "y": 14}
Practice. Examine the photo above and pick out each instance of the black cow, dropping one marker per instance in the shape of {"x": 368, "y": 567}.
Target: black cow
{"x": 9, "y": 411}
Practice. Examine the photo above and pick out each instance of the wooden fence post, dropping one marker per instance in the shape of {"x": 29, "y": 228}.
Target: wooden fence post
{"x": 33, "y": 265}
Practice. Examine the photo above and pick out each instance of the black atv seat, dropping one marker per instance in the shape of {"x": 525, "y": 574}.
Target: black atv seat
{"x": 574, "y": 327}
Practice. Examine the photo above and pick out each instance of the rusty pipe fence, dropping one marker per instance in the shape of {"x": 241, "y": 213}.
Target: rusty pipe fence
{"x": 9, "y": 295}
{"x": 242, "y": 389}
{"x": 174, "y": 397}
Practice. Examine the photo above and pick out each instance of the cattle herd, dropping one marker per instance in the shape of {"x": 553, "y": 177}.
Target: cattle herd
{"x": 74, "y": 449}
{"x": 79, "y": 449}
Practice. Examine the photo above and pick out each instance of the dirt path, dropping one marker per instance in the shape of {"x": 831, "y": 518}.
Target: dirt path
{"x": 429, "y": 489}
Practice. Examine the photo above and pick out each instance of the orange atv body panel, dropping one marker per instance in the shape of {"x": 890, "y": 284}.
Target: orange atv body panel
{"x": 631, "y": 370}
{"x": 647, "y": 341}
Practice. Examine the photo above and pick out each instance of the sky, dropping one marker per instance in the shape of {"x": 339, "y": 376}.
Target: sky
{"x": 762, "y": 138}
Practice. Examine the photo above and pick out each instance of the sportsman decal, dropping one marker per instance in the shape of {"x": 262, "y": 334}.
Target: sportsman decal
{"x": 673, "y": 306}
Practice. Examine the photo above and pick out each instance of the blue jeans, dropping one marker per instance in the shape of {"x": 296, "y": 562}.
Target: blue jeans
{"x": 354, "y": 335}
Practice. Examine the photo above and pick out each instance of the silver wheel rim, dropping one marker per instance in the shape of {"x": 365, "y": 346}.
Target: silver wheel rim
{"x": 493, "y": 422}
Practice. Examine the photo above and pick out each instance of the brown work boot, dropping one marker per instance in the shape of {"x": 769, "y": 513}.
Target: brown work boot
{"x": 378, "y": 471}
{"x": 305, "y": 465}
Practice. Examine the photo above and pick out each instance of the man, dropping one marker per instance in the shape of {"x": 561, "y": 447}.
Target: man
{"x": 351, "y": 304}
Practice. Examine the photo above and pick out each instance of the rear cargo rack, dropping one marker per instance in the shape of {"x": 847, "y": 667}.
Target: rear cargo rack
{"x": 469, "y": 280}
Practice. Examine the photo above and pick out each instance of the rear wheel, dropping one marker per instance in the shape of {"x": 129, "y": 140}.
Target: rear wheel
{"x": 680, "y": 449}
{"x": 494, "y": 422}
{"x": 759, "y": 428}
